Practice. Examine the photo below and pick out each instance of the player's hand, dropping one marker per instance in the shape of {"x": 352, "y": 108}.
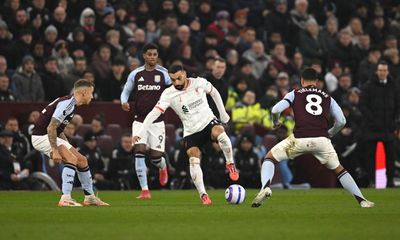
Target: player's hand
{"x": 276, "y": 125}
{"x": 125, "y": 106}
{"x": 135, "y": 139}
{"x": 225, "y": 118}
{"x": 55, "y": 155}
{"x": 14, "y": 177}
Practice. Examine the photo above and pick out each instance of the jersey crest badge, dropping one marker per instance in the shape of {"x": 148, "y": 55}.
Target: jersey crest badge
{"x": 157, "y": 78}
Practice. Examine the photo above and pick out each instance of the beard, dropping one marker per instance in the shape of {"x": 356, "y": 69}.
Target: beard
{"x": 178, "y": 87}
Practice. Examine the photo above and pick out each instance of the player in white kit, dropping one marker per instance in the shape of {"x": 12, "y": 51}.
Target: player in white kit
{"x": 187, "y": 97}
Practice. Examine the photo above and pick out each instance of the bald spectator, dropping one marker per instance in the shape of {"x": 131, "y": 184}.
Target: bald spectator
{"x": 299, "y": 15}
{"x": 258, "y": 58}
{"x": 61, "y": 22}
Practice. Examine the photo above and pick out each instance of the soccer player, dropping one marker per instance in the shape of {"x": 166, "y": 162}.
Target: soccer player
{"x": 48, "y": 138}
{"x": 187, "y": 97}
{"x": 147, "y": 82}
{"x": 311, "y": 107}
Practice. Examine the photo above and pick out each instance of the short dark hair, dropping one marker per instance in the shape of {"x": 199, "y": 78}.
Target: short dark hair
{"x": 49, "y": 59}
{"x": 149, "y": 46}
{"x": 175, "y": 68}
{"x": 381, "y": 62}
{"x": 83, "y": 83}
{"x": 309, "y": 74}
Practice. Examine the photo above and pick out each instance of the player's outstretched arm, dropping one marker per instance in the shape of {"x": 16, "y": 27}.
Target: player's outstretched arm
{"x": 281, "y": 106}
{"x": 52, "y": 135}
{"x": 220, "y": 105}
{"x": 129, "y": 85}
{"x": 337, "y": 114}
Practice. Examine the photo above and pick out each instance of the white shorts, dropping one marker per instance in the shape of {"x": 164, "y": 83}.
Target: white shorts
{"x": 154, "y": 137}
{"x": 42, "y": 144}
{"x": 320, "y": 147}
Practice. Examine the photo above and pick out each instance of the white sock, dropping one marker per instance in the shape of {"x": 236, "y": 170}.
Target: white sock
{"x": 267, "y": 173}
{"x": 226, "y": 147}
{"x": 159, "y": 162}
{"x": 197, "y": 175}
{"x": 350, "y": 185}
{"x": 67, "y": 176}
{"x": 141, "y": 170}
{"x": 85, "y": 177}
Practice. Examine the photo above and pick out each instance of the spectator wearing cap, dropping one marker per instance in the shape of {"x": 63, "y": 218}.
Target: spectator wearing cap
{"x": 50, "y": 39}
{"x": 6, "y": 95}
{"x": 28, "y": 83}
{"x": 258, "y": 58}
{"x": 299, "y": 15}
{"x": 278, "y": 20}
{"x": 247, "y": 160}
{"x": 205, "y": 13}
{"x": 64, "y": 61}
{"x": 95, "y": 159}
{"x": 7, "y": 47}
{"x": 53, "y": 83}
{"x": 13, "y": 170}
{"x": 367, "y": 66}
{"x": 331, "y": 77}
{"x": 116, "y": 81}
{"x": 221, "y": 25}
{"x": 309, "y": 42}
{"x": 329, "y": 34}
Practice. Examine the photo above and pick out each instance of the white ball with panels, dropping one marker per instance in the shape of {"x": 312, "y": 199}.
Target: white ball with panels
{"x": 235, "y": 194}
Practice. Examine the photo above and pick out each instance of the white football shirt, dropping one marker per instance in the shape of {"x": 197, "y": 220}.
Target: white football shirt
{"x": 190, "y": 104}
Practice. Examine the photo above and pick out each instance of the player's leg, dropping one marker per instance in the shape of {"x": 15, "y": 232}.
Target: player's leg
{"x": 85, "y": 177}
{"x": 67, "y": 176}
{"x": 156, "y": 142}
{"x": 140, "y": 161}
{"x": 274, "y": 156}
{"x": 326, "y": 154}
{"x": 196, "y": 173}
{"x": 218, "y": 134}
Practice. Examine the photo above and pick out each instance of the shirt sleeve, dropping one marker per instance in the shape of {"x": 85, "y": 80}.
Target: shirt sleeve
{"x": 286, "y": 102}
{"x": 61, "y": 111}
{"x": 340, "y": 120}
{"x": 167, "y": 78}
{"x": 129, "y": 85}
{"x": 206, "y": 85}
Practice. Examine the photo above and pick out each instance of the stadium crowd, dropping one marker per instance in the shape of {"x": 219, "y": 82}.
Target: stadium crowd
{"x": 45, "y": 46}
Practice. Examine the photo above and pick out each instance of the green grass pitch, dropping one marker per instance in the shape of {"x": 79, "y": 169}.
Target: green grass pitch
{"x": 295, "y": 214}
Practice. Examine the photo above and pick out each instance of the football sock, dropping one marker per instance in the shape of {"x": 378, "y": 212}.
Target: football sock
{"x": 141, "y": 170}
{"x": 67, "y": 176}
{"x": 267, "y": 173}
{"x": 197, "y": 175}
{"x": 85, "y": 177}
{"x": 350, "y": 185}
{"x": 226, "y": 147}
{"x": 159, "y": 162}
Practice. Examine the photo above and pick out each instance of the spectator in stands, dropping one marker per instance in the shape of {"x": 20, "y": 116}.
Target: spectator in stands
{"x": 28, "y": 83}
{"x": 101, "y": 65}
{"x": 38, "y": 55}
{"x": 392, "y": 57}
{"x": 13, "y": 170}
{"x": 361, "y": 48}
{"x": 97, "y": 125}
{"x": 217, "y": 78}
{"x": 232, "y": 60}
{"x": 377, "y": 29}
{"x": 64, "y": 61}
{"x": 221, "y": 25}
{"x": 142, "y": 13}
{"x": 205, "y": 14}
{"x": 165, "y": 50}
{"x": 244, "y": 72}
{"x": 116, "y": 81}
{"x": 343, "y": 51}
{"x": 20, "y": 145}
{"x": 283, "y": 84}
{"x": 167, "y": 7}
{"x": 299, "y": 15}
{"x": 6, "y": 95}
{"x": 121, "y": 170}
{"x": 53, "y": 84}
{"x": 87, "y": 21}
{"x": 152, "y": 32}
{"x": 24, "y": 43}
{"x": 80, "y": 66}
{"x": 278, "y": 20}
{"x": 270, "y": 97}
{"x": 170, "y": 24}
{"x": 77, "y": 120}
{"x": 184, "y": 12}
{"x": 28, "y": 127}
{"x": 258, "y": 58}
{"x": 113, "y": 40}
{"x": 4, "y": 67}
{"x": 61, "y": 22}
{"x": 21, "y": 21}
{"x": 69, "y": 132}
{"x": 39, "y": 8}
{"x": 50, "y": 39}
{"x": 7, "y": 48}
{"x": 280, "y": 60}
{"x": 9, "y": 9}
{"x": 247, "y": 161}
{"x": 240, "y": 20}
{"x": 344, "y": 84}
{"x": 331, "y": 78}
{"x": 367, "y": 66}
{"x": 209, "y": 42}
{"x": 95, "y": 159}
{"x": 78, "y": 39}
{"x": 380, "y": 106}
{"x": 329, "y": 34}
{"x": 247, "y": 111}
{"x": 309, "y": 41}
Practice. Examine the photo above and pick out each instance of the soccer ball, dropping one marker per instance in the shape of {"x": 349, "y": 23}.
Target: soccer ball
{"x": 235, "y": 194}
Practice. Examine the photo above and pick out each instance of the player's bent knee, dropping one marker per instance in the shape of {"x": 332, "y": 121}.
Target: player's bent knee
{"x": 270, "y": 157}
{"x": 217, "y": 130}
